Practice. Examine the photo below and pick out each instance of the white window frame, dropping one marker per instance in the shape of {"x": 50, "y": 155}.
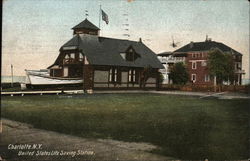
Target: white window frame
{"x": 113, "y": 71}
{"x": 80, "y": 57}
{"x": 110, "y": 75}
{"x": 193, "y": 76}
{"x": 66, "y": 56}
{"x": 194, "y": 66}
{"x": 72, "y": 55}
{"x": 115, "y": 75}
{"x": 65, "y": 71}
{"x": 207, "y": 78}
{"x": 131, "y": 75}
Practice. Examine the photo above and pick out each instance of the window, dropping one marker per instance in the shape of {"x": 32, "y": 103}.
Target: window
{"x": 193, "y": 78}
{"x": 86, "y": 60}
{"x": 131, "y": 75}
{"x": 66, "y": 56}
{"x": 204, "y": 63}
{"x": 123, "y": 55}
{"x": 193, "y": 55}
{"x": 194, "y": 64}
{"x": 207, "y": 78}
{"x": 130, "y": 55}
{"x": 80, "y": 57}
{"x": 113, "y": 75}
{"x": 72, "y": 55}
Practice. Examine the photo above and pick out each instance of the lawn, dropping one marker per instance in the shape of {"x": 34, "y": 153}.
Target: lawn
{"x": 183, "y": 127}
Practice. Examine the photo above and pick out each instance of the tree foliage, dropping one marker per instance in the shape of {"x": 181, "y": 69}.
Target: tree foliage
{"x": 178, "y": 73}
{"x": 221, "y": 65}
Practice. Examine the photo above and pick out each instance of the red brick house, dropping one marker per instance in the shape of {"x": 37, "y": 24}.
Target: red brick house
{"x": 196, "y": 54}
{"x": 106, "y": 62}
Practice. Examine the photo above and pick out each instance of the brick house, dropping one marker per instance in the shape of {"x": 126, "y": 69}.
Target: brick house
{"x": 104, "y": 62}
{"x": 196, "y": 54}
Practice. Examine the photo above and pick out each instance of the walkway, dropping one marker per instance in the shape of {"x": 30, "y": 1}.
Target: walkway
{"x": 56, "y": 146}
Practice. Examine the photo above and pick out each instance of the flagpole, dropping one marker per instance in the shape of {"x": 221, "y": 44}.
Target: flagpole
{"x": 11, "y": 75}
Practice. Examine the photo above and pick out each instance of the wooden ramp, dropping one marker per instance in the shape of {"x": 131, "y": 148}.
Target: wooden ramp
{"x": 57, "y": 92}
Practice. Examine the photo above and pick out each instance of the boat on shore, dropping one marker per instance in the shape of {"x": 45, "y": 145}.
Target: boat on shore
{"x": 36, "y": 79}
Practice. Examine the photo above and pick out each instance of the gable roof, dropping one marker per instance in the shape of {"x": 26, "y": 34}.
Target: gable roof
{"x": 205, "y": 46}
{"x": 106, "y": 51}
{"x": 86, "y": 24}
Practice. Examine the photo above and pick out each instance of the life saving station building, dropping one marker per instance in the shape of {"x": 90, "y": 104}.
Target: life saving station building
{"x": 106, "y": 62}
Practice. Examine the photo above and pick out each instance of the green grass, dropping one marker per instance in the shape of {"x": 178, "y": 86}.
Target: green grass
{"x": 183, "y": 127}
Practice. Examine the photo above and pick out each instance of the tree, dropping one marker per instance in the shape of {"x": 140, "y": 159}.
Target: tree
{"x": 221, "y": 66}
{"x": 178, "y": 73}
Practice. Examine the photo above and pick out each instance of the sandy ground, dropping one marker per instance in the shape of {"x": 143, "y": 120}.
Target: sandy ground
{"x": 56, "y": 146}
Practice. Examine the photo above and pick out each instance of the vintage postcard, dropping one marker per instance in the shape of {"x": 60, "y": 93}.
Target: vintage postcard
{"x": 130, "y": 80}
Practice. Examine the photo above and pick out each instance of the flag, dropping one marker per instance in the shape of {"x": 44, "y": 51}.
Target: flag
{"x": 105, "y": 17}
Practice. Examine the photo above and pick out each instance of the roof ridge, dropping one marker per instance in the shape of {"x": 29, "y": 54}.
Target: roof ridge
{"x": 119, "y": 39}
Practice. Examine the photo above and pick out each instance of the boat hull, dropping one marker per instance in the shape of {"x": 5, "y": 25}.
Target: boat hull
{"x": 42, "y": 80}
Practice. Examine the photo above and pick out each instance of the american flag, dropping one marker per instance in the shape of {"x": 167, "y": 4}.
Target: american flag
{"x": 105, "y": 17}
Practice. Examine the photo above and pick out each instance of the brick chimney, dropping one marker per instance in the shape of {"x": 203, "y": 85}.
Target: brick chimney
{"x": 191, "y": 44}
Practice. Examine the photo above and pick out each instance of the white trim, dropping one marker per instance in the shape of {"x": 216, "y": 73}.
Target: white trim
{"x": 65, "y": 71}
{"x": 193, "y": 80}
{"x": 196, "y": 60}
{"x": 207, "y": 78}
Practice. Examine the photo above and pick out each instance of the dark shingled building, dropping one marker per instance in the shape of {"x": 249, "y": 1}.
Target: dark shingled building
{"x": 106, "y": 62}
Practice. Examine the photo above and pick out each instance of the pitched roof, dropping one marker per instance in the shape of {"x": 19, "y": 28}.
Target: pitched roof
{"x": 86, "y": 24}
{"x": 106, "y": 51}
{"x": 206, "y": 46}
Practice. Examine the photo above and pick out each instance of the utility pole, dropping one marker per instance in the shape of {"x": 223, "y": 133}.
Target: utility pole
{"x": 11, "y": 75}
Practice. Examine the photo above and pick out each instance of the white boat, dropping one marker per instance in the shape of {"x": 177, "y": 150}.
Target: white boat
{"x": 42, "y": 77}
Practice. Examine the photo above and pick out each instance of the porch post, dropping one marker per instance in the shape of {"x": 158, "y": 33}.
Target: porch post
{"x": 238, "y": 82}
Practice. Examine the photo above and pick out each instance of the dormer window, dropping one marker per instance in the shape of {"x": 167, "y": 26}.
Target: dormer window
{"x": 130, "y": 55}
{"x": 123, "y": 55}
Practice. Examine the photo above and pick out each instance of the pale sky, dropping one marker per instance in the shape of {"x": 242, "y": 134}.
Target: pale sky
{"x": 34, "y": 30}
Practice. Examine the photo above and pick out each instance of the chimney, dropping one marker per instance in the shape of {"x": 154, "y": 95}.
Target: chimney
{"x": 140, "y": 40}
{"x": 191, "y": 45}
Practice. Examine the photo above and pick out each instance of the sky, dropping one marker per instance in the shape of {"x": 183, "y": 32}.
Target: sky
{"x": 34, "y": 30}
